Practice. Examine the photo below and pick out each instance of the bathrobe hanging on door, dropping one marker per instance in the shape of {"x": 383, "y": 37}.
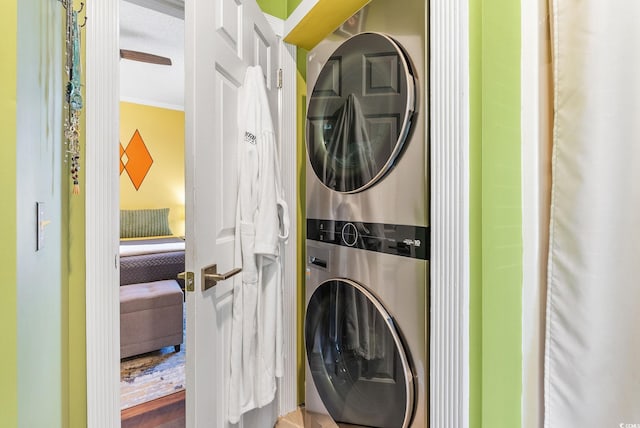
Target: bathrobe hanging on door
{"x": 262, "y": 225}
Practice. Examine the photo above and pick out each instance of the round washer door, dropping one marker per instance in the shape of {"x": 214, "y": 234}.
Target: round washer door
{"x": 356, "y": 357}
{"x": 360, "y": 112}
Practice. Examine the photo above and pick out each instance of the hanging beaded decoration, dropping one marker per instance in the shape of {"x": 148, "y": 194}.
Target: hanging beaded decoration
{"x": 73, "y": 92}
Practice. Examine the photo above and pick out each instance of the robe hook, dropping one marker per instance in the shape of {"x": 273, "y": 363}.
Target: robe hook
{"x": 67, "y": 3}
{"x": 84, "y": 23}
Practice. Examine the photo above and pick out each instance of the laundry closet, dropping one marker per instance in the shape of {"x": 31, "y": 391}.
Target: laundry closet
{"x": 367, "y": 220}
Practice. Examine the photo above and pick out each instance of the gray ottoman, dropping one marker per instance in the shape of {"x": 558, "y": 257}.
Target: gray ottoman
{"x": 150, "y": 317}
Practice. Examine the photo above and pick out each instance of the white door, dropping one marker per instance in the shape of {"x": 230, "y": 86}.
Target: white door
{"x": 223, "y": 37}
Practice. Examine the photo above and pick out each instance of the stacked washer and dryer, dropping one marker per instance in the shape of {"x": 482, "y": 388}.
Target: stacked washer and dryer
{"x": 367, "y": 286}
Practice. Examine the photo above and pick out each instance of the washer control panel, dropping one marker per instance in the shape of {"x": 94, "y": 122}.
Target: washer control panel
{"x": 349, "y": 234}
{"x": 396, "y": 239}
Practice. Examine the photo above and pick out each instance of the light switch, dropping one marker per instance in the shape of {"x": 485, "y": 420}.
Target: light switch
{"x": 41, "y": 224}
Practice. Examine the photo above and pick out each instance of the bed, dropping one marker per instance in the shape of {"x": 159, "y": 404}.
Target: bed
{"x": 151, "y": 296}
{"x": 148, "y": 250}
{"x": 151, "y": 259}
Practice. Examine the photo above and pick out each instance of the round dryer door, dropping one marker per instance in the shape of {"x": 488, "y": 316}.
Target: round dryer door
{"x": 360, "y": 112}
{"x": 356, "y": 357}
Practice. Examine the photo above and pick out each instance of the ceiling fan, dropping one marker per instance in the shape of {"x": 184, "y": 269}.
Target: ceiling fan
{"x": 144, "y": 57}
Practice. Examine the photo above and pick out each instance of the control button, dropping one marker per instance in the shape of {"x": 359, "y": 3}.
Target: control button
{"x": 349, "y": 234}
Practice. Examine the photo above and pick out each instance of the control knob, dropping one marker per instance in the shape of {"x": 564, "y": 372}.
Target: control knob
{"x": 349, "y": 234}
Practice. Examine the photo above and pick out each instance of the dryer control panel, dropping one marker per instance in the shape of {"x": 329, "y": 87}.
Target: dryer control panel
{"x": 395, "y": 239}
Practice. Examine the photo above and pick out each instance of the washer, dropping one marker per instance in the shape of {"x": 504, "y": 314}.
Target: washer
{"x": 366, "y": 118}
{"x": 367, "y": 210}
{"x": 366, "y": 324}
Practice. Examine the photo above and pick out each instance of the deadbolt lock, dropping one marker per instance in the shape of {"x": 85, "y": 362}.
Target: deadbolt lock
{"x": 189, "y": 280}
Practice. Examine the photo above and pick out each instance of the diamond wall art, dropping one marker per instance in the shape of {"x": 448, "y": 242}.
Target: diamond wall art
{"x": 135, "y": 160}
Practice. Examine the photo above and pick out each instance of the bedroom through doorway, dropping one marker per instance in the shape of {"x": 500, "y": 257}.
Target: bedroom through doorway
{"x": 152, "y": 201}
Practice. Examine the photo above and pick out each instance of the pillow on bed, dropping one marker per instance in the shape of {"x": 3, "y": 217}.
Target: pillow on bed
{"x": 143, "y": 223}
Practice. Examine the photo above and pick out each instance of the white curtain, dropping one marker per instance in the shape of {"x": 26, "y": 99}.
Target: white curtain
{"x": 592, "y": 376}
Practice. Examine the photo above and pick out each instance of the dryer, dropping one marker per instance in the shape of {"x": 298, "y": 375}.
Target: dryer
{"x": 366, "y": 119}
{"x": 366, "y": 324}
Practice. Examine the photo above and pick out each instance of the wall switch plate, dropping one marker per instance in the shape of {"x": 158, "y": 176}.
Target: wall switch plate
{"x": 41, "y": 223}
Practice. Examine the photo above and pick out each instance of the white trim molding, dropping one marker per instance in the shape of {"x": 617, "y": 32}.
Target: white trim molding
{"x": 277, "y": 24}
{"x": 174, "y": 8}
{"x": 298, "y": 15}
{"x": 102, "y": 222}
{"x": 287, "y": 112}
{"x": 449, "y": 140}
{"x": 150, "y": 103}
{"x": 288, "y": 385}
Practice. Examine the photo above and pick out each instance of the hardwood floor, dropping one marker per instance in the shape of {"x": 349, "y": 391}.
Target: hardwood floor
{"x": 165, "y": 412}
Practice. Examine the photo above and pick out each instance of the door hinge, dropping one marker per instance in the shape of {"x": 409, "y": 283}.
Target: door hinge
{"x": 279, "y": 85}
{"x": 189, "y": 280}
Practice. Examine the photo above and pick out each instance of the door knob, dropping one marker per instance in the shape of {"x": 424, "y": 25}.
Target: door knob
{"x": 210, "y": 276}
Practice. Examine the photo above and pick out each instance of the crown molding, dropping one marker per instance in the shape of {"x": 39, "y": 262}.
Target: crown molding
{"x": 170, "y": 7}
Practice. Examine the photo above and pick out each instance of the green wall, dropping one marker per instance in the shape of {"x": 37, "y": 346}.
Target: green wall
{"x": 73, "y": 212}
{"x": 74, "y": 275}
{"x": 8, "y": 266}
{"x": 495, "y": 214}
{"x": 291, "y": 6}
{"x": 279, "y": 8}
{"x": 475, "y": 213}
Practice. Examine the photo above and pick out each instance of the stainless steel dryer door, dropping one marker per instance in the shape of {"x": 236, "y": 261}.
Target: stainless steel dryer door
{"x": 356, "y": 357}
{"x": 360, "y": 112}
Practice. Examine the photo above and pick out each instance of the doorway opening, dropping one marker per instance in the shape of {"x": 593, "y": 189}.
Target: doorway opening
{"x": 102, "y": 183}
{"x": 152, "y": 204}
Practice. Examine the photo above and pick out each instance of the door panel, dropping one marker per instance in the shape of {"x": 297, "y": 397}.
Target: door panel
{"x": 229, "y": 23}
{"x": 216, "y": 60}
{"x": 226, "y": 178}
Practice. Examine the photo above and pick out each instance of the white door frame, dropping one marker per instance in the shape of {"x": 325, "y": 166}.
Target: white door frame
{"x": 449, "y": 144}
{"x": 101, "y": 192}
{"x": 288, "y": 385}
{"x": 102, "y": 195}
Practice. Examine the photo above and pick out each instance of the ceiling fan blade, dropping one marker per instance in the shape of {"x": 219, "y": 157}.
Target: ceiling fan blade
{"x": 144, "y": 57}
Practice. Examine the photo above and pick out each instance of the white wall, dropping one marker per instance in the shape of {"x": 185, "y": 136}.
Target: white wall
{"x": 39, "y": 153}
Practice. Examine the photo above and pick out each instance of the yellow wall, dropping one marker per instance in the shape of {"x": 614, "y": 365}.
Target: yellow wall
{"x": 8, "y": 303}
{"x": 163, "y": 133}
{"x": 324, "y": 17}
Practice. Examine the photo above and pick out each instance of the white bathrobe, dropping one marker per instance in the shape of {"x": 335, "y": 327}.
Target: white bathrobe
{"x": 262, "y": 226}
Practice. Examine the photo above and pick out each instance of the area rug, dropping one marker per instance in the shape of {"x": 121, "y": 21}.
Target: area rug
{"x": 152, "y": 375}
